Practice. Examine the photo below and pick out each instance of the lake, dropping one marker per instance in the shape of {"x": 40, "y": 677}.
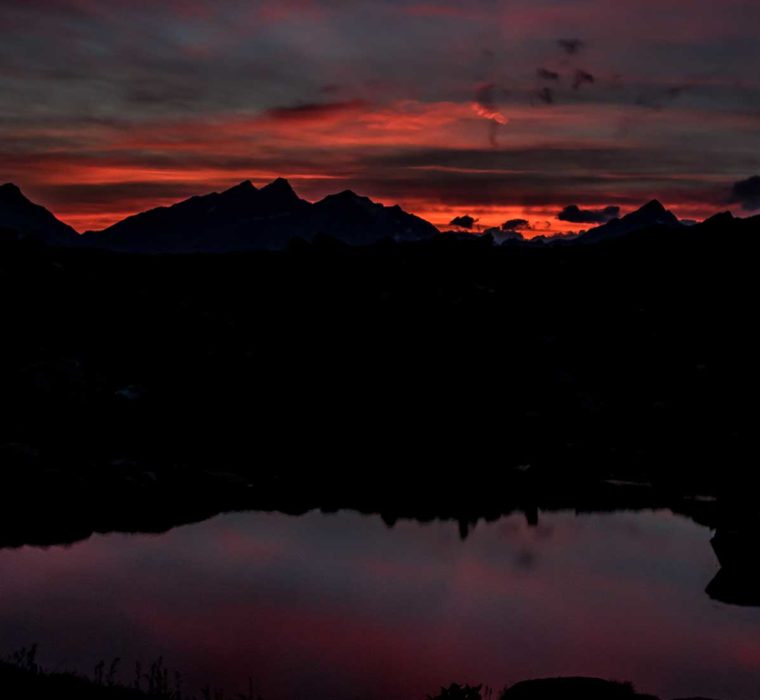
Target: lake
{"x": 342, "y": 606}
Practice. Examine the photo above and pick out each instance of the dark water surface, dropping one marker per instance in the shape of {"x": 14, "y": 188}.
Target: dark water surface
{"x": 344, "y": 606}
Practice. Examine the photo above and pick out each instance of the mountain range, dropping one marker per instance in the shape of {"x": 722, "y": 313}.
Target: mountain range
{"x": 248, "y": 218}
{"x": 240, "y": 218}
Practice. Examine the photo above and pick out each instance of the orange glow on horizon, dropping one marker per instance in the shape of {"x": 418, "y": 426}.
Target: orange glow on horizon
{"x": 108, "y": 172}
{"x": 542, "y": 219}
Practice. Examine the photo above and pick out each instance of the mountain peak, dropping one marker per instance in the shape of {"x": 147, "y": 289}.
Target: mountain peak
{"x": 653, "y": 207}
{"x": 242, "y": 192}
{"x": 11, "y": 191}
{"x": 651, "y": 214}
{"x": 346, "y": 198}
{"x": 280, "y": 186}
{"x": 244, "y": 186}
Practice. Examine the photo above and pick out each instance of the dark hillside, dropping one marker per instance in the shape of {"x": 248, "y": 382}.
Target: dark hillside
{"x": 397, "y": 369}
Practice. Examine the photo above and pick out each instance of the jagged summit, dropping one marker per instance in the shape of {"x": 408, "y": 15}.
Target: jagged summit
{"x": 244, "y": 186}
{"x": 651, "y": 214}
{"x": 280, "y": 192}
{"x": 242, "y": 195}
{"x": 279, "y": 185}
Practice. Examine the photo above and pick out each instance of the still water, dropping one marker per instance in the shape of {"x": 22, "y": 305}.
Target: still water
{"x": 341, "y": 606}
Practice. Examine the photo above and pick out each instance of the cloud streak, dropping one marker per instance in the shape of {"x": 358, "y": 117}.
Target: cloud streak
{"x": 315, "y": 111}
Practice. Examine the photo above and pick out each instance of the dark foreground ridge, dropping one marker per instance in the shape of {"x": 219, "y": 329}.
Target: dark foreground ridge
{"x": 238, "y": 219}
{"x": 25, "y": 679}
{"x": 274, "y": 217}
{"x": 445, "y": 377}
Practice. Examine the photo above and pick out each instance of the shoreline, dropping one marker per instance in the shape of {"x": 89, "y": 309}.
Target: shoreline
{"x": 60, "y": 513}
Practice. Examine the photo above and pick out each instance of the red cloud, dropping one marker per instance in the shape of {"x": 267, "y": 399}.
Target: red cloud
{"x": 316, "y": 112}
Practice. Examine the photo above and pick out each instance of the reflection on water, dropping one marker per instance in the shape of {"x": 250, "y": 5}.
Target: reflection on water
{"x": 343, "y": 604}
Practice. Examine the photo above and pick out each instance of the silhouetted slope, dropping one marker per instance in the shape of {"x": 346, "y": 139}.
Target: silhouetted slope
{"x": 653, "y": 214}
{"x": 360, "y": 221}
{"x": 638, "y": 351}
{"x": 240, "y": 218}
{"x": 246, "y": 218}
{"x": 19, "y": 214}
{"x": 352, "y": 375}
{"x": 278, "y": 197}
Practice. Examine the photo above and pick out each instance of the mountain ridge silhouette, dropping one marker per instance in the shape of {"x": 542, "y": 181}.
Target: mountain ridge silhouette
{"x": 247, "y": 218}
{"x": 652, "y": 214}
{"x": 20, "y": 214}
{"x": 244, "y": 217}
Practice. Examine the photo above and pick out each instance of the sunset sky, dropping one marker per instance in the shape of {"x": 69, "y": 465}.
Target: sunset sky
{"x": 496, "y": 109}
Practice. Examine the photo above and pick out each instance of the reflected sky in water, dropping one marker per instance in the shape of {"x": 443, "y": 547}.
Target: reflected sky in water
{"x": 344, "y": 606}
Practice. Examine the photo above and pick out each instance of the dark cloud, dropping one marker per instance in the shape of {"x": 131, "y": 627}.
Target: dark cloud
{"x": 510, "y": 230}
{"x": 314, "y": 111}
{"x": 485, "y": 97}
{"x": 571, "y": 46}
{"x": 515, "y": 225}
{"x": 465, "y": 221}
{"x": 581, "y": 77}
{"x": 658, "y": 99}
{"x": 472, "y": 178}
{"x": 747, "y": 193}
{"x": 546, "y": 95}
{"x": 574, "y": 214}
{"x": 546, "y": 74}
{"x": 101, "y": 193}
{"x": 157, "y": 93}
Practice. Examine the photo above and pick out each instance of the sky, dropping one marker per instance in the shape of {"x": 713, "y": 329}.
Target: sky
{"x": 495, "y": 110}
